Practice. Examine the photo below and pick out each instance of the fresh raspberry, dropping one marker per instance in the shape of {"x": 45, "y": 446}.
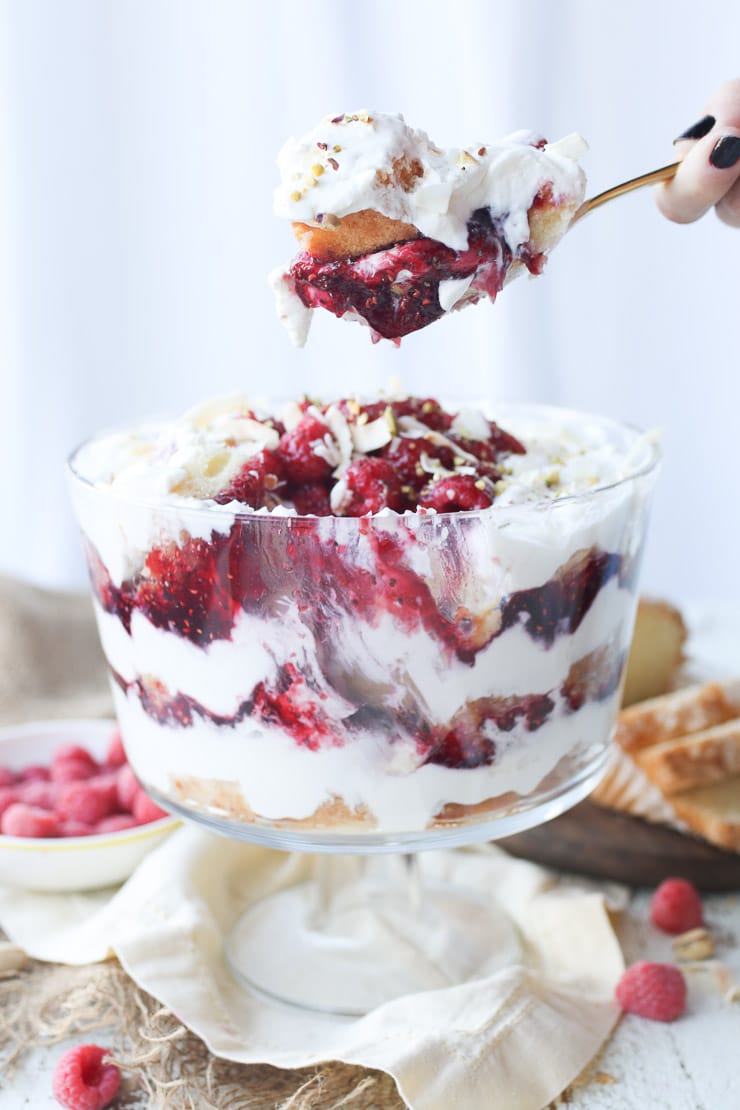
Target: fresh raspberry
{"x": 8, "y": 796}
{"x": 298, "y": 451}
{"x": 404, "y": 454}
{"x": 312, "y": 498}
{"x": 116, "y": 823}
{"x": 372, "y": 485}
{"x": 82, "y": 1081}
{"x": 76, "y": 828}
{"x": 34, "y": 773}
{"x": 72, "y": 763}
{"x": 116, "y": 754}
{"x": 35, "y": 793}
{"x": 676, "y": 906}
{"x": 458, "y": 493}
{"x": 7, "y": 777}
{"x": 655, "y": 991}
{"x": 23, "y": 820}
{"x": 88, "y": 801}
{"x": 255, "y": 482}
{"x": 145, "y": 809}
{"x": 127, "y": 787}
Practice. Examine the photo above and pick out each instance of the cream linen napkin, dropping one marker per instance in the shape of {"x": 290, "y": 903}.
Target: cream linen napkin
{"x": 514, "y": 1039}
{"x": 518, "y": 1036}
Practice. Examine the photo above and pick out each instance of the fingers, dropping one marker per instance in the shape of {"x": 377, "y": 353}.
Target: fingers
{"x": 709, "y": 174}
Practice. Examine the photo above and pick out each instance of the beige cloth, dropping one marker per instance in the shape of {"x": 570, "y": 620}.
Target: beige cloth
{"x": 514, "y": 1039}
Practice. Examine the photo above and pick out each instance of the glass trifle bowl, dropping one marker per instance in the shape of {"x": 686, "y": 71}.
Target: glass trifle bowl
{"x": 386, "y": 682}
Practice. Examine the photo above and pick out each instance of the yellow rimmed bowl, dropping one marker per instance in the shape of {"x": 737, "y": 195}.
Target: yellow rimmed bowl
{"x": 74, "y": 862}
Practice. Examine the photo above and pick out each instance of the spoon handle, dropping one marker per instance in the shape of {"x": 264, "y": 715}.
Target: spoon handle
{"x": 663, "y": 174}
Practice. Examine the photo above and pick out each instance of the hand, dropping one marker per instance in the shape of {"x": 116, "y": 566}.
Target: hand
{"x": 709, "y": 174}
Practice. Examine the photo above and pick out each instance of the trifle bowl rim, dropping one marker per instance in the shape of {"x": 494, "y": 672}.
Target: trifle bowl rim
{"x": 175, "y": 503}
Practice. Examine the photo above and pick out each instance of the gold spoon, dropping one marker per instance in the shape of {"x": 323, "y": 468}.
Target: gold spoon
{"x": 663, "y": 174}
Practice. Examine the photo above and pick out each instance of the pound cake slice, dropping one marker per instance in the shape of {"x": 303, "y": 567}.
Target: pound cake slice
{"x": 712, "y": 812}
{"x": 656, "y": 652}
{"x": 698, "y": 759}
{"x": 677, "y": 762}
{"x": 395, "y": 231}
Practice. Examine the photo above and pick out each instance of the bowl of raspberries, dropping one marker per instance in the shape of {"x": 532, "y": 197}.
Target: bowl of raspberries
{"x": 73, "y": 815}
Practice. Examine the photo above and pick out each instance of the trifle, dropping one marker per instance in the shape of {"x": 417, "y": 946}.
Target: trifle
{"x": 380, "y": 621}
{"x": 395, "y": 232}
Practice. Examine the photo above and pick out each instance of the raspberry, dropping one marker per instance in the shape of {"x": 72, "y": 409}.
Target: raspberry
{"x": 23, "y": 820}
{"x": 458, "y": 493}
{"x": 87, "y": 801}
{"x": 76, "y": 828}
{"x": 34, "y": 773}
{"x": 8, "y": 797}
{"x": 372, "y": 485}
{"x": 7, "y": 777}
{"x": 311, "y": 498}
{"x": 82, "y": 1081}
{"x": 655, "y": 991}
{"x": 116, "y": 823}
{"x": 255, "y": 482}
{"x": 72, "y": 763}
{"x": 676, "y": 906}
{"x": 404, "y": 454}
{"x": 116, "y": 754}
{"x": 36, "y": 793}
{"x": 127, "y": 787}
{"x": 297, "y": 450}
{"x": 145, "y": 809}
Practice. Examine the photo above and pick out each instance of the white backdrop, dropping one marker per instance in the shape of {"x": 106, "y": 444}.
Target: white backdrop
{"x": 137, "y": 148}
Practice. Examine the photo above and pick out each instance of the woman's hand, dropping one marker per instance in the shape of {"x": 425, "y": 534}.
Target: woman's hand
{"x": 709, "y": 174}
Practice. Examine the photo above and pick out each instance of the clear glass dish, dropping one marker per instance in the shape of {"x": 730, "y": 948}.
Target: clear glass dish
{"x": 381, "y": 684}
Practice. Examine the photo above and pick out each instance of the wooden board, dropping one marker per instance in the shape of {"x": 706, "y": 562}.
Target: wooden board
{"x": 604, "y": 844}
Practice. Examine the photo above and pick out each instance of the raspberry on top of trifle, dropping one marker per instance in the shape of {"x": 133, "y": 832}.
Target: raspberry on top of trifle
{"x": 395, "y": 231}
{"x": 348, "y": 458}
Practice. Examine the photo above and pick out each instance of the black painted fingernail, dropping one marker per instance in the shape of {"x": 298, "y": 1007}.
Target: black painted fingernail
{"x": 726, "y": 152}
{"x": 698, "y": 130}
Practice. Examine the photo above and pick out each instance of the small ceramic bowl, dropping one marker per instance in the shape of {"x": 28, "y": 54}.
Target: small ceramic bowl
{"x": 75, "y": 862}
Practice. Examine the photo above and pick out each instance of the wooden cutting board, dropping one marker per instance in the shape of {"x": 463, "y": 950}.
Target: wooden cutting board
{"x": 604, "y": 844}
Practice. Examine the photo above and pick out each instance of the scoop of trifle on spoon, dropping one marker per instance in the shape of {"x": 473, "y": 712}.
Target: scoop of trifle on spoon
{"x": 395, "y": 232}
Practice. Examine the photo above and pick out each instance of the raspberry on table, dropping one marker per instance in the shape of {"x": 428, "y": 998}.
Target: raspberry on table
{"x": 7, "y": 777}
{"x": 82, "y": 1081}
{"x": 24, "y": 820}
{"x": 676, "y": 907}
{"x": 372, "y": 484}
{"x": 652, "y": 990}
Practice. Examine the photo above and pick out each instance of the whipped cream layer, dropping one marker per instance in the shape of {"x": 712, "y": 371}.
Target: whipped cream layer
{"x": 397, "y": 664}
{"x": 356, "y": 161}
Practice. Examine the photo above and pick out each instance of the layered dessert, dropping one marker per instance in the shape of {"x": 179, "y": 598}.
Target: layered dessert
{"x": 395, "y": 232}
{"x": 367, "y": 616}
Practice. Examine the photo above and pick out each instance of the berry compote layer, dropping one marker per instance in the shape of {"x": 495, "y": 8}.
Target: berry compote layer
{"x": 378, "y": 616}
{"x": 395, "y": 231}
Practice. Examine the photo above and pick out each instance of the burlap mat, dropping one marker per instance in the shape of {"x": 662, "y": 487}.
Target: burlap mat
{"x": 51, "y": 666}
